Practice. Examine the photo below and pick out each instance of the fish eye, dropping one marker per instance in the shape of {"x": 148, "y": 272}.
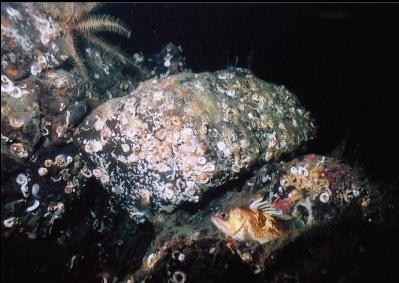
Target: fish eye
{"x": 224, "y": 215}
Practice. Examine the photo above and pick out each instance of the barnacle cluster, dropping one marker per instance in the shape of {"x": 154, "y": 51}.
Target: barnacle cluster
{"x": 172, "y": 139}
{"x": 20, "y": 117}
{"x": 309, "y": 177}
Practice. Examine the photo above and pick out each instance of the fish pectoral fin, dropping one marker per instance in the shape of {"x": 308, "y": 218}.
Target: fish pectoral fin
{"x": 267, "y": 209}
{"x": 255, "y": 204}
{"x": 282, "y": 216}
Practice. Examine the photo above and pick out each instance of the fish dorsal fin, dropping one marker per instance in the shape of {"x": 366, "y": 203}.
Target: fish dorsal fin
{"x": 267, "y": 209}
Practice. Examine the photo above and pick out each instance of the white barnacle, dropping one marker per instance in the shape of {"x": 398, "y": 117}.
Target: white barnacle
{"x": 99, "y": 124}
{"x": 132, "y": 158}
{"x": 12, "y": 12}
{"x": 209, "y": 167}
{"x": 324, "y": 197}
{"x": 60, "y": 208}
{"x": 186, "y": 134}
{"x": 10, "y": 222}
{"x": 93, "y": 146}
{"x": 25, "y": 190}
{"x": 266, "y": 178}
{"x": 125, "y": 147}
{"x": 42, "y": 61}
{"x": 121, "y": 158}
{"x": 35, "y": 69}
{"x": 35, "y": 189}
{"x": 86, "y": 172}
{"x": 258, "y": 270}
{"x": 104, "y": 179}
{"x": 48, "y": 163}
{"x": 187, "y": 147}
{"x": 222, "y": 76}
{"x": 236, "y": 168}
{"x": 60, "y": 82}
{"x": 294, "y": 170}
{"x": 221, "y": 145}
{"x": 101, "y": 174}
{"x": 356, "y": 192}
{"x": 70, "y": 187}
{"x": 138, "y": 58}
{"x": 69, "y": 160}
{"x": 45, "y": 132}
{"x": 16, "y": 123}
{"x": 97, "y": 172}
{"x": 244, "y": 143}
{"x": 145, "y": 195}
{"x": 72, "y": 262}
{"x": 19, "y": 150}
{"x": 303, "y": 171}
{"x": 231, "y": 92}
{"x": 106, "y": 70}
{"x": 7, "y": 85}
{"x": 168, "y": 192}
{"x": 179, "y": 277}
{"x": 17, "y": 93}
{"x": 67, "y": 117}
{"x": 284, "y": 183}
{"x": 61, "y": 161}
{"x": 21, "y": 179}
{"x": 202, "y": 160}
{"x": 306, "y": 204}
{"x": 33, "y": 206}
{"x": 151, "y": 260}
{"x": 195, "y": 199}
{"x": 198, "y": 85}
{"x": 281, "y": 126}
{"x": 117, "y": 190}
{"x": 191, "y": 189}
{"x": 42, "y": 171}
{"x": 167, "y": 59}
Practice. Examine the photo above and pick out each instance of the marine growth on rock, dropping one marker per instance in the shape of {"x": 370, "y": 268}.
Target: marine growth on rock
{"x": 171, "y": 140}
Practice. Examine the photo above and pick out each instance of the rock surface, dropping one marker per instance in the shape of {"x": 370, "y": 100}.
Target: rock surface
{"x": 184, "y": 241}
{"x": 171, "y": 140}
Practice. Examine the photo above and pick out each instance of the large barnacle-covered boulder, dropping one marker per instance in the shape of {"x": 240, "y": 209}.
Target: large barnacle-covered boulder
{"x": 171, "y": 140}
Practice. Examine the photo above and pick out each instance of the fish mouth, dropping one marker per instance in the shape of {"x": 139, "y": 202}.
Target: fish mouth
{"x": 215, "y": 221}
